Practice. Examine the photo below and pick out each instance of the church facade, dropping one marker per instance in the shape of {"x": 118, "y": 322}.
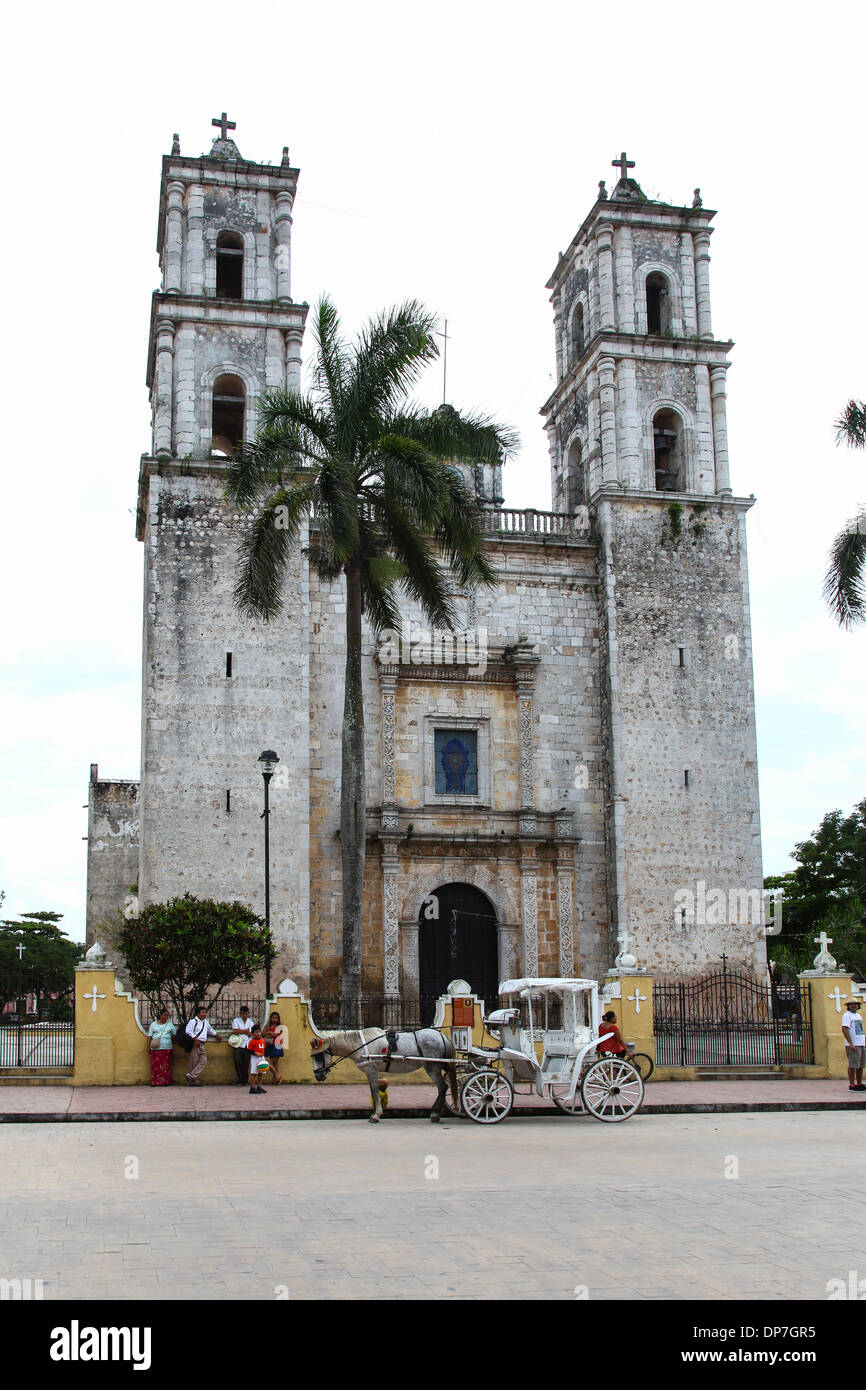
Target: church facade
{"x": 571, "y": 776}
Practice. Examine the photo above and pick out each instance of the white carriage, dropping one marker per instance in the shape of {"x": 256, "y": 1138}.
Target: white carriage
{"x": 563, "y": 1015}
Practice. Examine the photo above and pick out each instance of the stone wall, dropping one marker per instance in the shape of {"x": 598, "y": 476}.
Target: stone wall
{"x": 112, "y": 847}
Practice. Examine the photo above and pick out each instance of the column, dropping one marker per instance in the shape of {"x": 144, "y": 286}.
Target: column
{"x": 629, "y": 425}
{"x": 720, "y": 428}
{"x": 294, "y": 337}
{"x": 173, "y": 238}
{"x": 607, "y": 405}
{"x": 195, "y": 240}
{"x": 507, "y": 934}
{"x": 687, "y": 272}
{"x": 388, "y": 686}
{"x": 164, "y": 386}
{"x": 624, "y": 281}
{"x": 275, "y": 359}
{"x": 409, "y": 959}
{"x": 284, "y": 246}
{"x": 564, "y": 891}
{"x": 529, "y": 901}
{"x": 191, "y": 433}
{"x": 390, "y": 920}
{"x": 527, "y": 776}
{"x": 561, "y": 359}
{"x": 702, "y": 283}
{"x": 604, "y": 253}
{"x": 704, "y": 461}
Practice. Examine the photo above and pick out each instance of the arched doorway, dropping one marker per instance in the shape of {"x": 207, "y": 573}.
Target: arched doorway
{"x": 459, "y": 942}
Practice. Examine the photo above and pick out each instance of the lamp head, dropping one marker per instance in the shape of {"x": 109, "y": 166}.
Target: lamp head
{"x": 268, "y": 760}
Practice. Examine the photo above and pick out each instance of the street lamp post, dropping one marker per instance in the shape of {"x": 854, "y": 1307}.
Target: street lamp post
{"x": 20, "y": 949}
{"x": 268, "y": 760}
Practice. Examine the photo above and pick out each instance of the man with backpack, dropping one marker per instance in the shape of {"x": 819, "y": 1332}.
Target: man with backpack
{"x": 199, "y": 1030}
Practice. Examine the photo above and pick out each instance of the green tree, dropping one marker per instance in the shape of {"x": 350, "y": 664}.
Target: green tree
{"x": 826, "y": 890}
{"x": 47, "y": 961}
{"x": 845, "y": 580}
{"x": 388, "y": 507}
{"x": 188, "y": 950}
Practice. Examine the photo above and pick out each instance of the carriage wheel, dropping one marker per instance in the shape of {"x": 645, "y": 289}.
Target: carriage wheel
{"x": 486, "y": 1097}
{"x": 559, "y": 1096}
{"x": 611, "y": 1089}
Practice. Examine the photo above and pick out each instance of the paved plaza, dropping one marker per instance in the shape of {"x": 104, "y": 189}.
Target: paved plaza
{"x": 709, "y": 1206}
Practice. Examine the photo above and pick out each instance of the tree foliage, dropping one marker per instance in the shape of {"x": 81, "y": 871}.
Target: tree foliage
{"x": 185, "y": 952}
{"x": 827, "y": 890}
{"x": 47, "y": 962}
{"x": 845, "y": 580}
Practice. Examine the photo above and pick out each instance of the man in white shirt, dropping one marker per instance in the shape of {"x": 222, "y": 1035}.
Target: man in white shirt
{"x": 243, "y": 1026}
{"x": 855, "y": 1044}
{"x": 199, "y": 1030}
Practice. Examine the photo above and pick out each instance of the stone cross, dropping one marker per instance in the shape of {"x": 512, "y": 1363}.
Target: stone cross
{"x": 94, "y": 996}
{"x": 224, "y": 124}
{"x": 823, "y": 940}
{"x": 837, "y": 998}
{"x": 636, "y": 998}
{"x": 623, "y": 164}
{"x": 20, "y": 949}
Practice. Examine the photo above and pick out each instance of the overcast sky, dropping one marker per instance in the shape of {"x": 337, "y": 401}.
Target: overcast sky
{"x": 448, "y": 151}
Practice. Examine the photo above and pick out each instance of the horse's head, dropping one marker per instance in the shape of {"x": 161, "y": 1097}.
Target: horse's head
{"x": 320, "y": 1051}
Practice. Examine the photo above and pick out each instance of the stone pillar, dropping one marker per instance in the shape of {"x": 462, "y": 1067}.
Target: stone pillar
{"x": 607, "y": 403}
{"x": 720, "y": 428}
{"x": 409, "y": 959}
{"x": 624, "y": 280}
{"x": 604, "y": 253}
{"x": 388, "y": 686}
{"x": 702, "y": 283}
{"x": 163, "y": 387}
{"x": 827, "y": 995}
{"x": 195, "y": 240}
{"x": 704, "y": 463}
{"x": 284, "y": 246}
{"x": 527, "y": 775}
{"x": 631, "y": 461}
{"x": 630, "y": 995}
{"x": 173, "y": 238}
{"x": 390, "y": 920}
{"x": 508, "y": 942}
{"x": 191, "y": 432}
{"x": 561, "y": 357}
{"x": 275, "y": 359}
{"x": 687, "y": 272}
{"x": 294, "y": 338}
{"x": 529, "y": 901}
{"x": 564, "y": 891}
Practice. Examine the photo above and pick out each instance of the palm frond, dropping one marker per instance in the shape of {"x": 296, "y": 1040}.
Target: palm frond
{"x": 264, "y": 550}
{"x": 851, "y": 425}
{"x": 334, "y": 360}
{"x": 391, "y": 353}
{"x": 845, "y": 580}
{"x": 451, "y": 435}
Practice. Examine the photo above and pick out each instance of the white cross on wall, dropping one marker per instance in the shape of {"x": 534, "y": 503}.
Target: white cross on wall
{"x": 636, "y": 998}
{"x": 94, "y": 996}
{"x": 836, "y": 996}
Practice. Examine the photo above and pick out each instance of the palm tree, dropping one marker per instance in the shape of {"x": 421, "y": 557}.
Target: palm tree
{"x": 845, "y": 581}
{"x": 388, "y": 506}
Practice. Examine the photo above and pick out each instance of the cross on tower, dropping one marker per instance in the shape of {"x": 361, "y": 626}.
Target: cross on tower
{"x": 623, "y": 164}
{"x": 226, "y": 125}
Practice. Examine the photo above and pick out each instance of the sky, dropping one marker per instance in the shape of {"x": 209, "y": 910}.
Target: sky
{"x": 448, "y": 152}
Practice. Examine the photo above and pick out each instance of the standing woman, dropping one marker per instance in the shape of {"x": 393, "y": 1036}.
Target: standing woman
{"x": 161, "y": 1035}
{"x": 275, "y": 1038}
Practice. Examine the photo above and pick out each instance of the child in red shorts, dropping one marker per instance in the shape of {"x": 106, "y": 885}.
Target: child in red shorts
{"x": 256, "y": 1048}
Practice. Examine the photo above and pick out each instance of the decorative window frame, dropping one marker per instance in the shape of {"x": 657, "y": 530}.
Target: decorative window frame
{"x": 688, "y": 437}
{"x": 208, "y": 379}
{"x": 581, "y": 301}
{"x": 480, "y": 726}
{"x": 576, "y": 437}
{"x": 675, "y": 289}
{"x": 210, "y": 265}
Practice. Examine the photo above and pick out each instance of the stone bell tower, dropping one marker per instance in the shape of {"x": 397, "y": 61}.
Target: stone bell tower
{"x": 638, "y": 441}
{"x": 218, "y": 688}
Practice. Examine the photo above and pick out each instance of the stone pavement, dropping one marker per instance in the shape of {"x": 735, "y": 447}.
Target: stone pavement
{"x": 82, "y": 1103}
{"x": 754, "y": 1206}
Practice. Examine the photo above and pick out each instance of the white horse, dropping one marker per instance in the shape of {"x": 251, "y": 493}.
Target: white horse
{"x": 373, "y": 1050}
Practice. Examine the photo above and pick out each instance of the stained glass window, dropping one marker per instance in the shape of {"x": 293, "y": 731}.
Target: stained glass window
{"x": 455, "y": 753}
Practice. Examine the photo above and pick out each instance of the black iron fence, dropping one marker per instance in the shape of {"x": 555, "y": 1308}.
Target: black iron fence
{"x": 728, "y": 1018}
{"x": 374, "y": 1010}
{"x": 32, "y": 1045}
{"x": 219, "y": 1015}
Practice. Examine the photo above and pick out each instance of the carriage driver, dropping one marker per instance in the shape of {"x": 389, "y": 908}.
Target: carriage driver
{"x": 614, "y": 1043}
